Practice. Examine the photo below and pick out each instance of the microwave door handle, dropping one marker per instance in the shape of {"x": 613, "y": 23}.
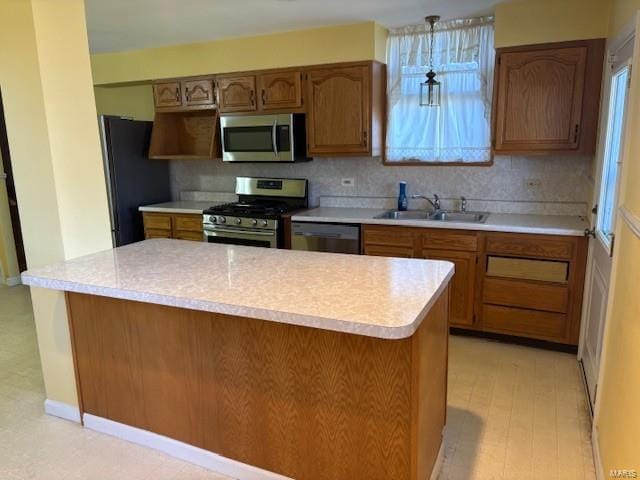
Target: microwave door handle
{"x": 274, "y": 138}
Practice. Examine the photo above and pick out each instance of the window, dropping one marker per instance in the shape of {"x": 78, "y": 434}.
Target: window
{"x": 612, "y": 155}
{"x": 459, "y": 130}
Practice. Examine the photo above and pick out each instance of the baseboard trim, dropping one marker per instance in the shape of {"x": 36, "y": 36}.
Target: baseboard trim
{"x": 597, "y": 460}
{"x": 62, "y": 410}
{"x": 180, "y": 450}
{"x": 13, "y": 281}
{"x": 437, "y": 466}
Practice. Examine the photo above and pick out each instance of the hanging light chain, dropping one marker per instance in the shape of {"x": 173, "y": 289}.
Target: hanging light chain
{"x": 431, "y": 22}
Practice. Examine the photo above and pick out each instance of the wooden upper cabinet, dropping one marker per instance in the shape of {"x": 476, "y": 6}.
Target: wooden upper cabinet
{"x": 338, "y": 119}
{"x": 237, "y": 94}
{"x": 546, "y": 97}
{"x": 186, "y": 94}
{"x": 167, "y": 94}
{"x": 198, "y": 92}
{"x": 280, "y": 90}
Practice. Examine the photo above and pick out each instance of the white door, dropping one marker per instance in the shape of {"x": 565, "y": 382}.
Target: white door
{"x": 606, "y": 200}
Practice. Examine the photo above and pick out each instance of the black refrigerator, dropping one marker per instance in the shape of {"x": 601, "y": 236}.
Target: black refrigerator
{"x": 132, "y": 178}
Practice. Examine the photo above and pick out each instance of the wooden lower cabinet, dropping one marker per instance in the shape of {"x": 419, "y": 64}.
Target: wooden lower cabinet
{"x": 181, "y": 226}
{"x": 514, "y": 284}
{"x": 457, "y": 247}
{"x": 463, "y": 284}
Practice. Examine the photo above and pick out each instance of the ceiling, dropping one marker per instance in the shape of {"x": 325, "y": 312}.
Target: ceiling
{"x": 117, "y": 25}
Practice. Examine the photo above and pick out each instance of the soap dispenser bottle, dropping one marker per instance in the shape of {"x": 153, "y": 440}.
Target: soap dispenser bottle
{"x": 402, "y": 197}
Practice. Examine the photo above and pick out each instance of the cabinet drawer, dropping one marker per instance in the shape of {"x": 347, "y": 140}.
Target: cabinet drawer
{"x": 447, "y": 240}
{"x": 530, "y": 246}
{"x": 530, "y": 323}
{"x": 395, "y": 236}
{"x": 189, "y": 223}
{"x": 186, "y": 235}
{"x": 518, "y": 293}
{"x": 528, "y": 269}
{"x": 388, "y": 251}
{"x": 157, "y": 233}
{"x": 157, "y": 221}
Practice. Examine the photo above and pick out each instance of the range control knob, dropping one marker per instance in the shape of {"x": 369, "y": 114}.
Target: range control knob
{"x": 238, "y": 221}
{"x": 213, "y": 219}
{"x": 254, "y": 222}
{"x": 265, "y": 223}
{"x": 222, "y": 220}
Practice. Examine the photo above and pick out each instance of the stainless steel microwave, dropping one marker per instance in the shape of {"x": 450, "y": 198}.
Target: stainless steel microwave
{"x": 263, "y": 138}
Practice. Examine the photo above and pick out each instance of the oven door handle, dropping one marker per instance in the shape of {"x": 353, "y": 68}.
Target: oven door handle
{"x": 238, "y": 232}
{"x": 274, "y": 138}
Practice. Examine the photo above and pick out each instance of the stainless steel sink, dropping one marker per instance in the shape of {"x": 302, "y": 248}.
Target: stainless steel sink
{"x": 405, "y": 215}
{"x": 467, "y": 217}
{"x": 439, "y": 216}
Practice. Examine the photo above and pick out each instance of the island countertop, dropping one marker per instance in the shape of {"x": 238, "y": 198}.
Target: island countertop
{"x": 372, "y": 296}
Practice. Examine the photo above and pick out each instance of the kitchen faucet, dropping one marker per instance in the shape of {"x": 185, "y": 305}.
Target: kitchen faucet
{"x": 435, "y": 203}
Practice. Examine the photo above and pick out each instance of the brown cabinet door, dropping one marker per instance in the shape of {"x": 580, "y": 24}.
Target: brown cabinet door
{"x": 339, "y": 117}
{"x": 154, "y": 233}
{"x": 463, "y": 284}
{"x": 156, "y": 221}
{"x": 280, "y": 90}
{"x": 188, "y": 223}
{"x": 188, "y": 235}
{"x": 198, "y": 92}
{"x": 237, "y": 94}
{"x": 167, "y": 94}
{"x": 539, "y": 99}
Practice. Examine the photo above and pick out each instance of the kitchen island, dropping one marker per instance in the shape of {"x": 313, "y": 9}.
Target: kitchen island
{"x": 271, "y": 363}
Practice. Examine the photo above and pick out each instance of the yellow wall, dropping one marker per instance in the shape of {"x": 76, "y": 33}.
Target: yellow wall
{"x": 523, "y": 22}
{"x": 340, "y": 43}
{"x": 621, "y": 14}
{"x": 127, "y": 101}
{"x": 53, "y": 139}
{"x": 8, "y": 259}
{"x": 618, "y": 411}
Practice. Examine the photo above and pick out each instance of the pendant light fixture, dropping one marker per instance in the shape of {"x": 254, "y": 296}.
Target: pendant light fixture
{"x": 430, "y": 88}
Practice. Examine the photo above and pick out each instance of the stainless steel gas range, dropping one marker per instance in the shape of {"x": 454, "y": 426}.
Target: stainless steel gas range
{"x": 256, "y": 219}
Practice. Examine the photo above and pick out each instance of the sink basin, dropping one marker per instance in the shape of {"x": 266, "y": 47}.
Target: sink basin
{"x": 440, "y": 216}
{"x": 469, "y": 217}
{"x": 405, "y": 215}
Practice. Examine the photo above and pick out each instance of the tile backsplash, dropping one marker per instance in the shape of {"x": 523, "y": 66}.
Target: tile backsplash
{"x": 550, "y": 185}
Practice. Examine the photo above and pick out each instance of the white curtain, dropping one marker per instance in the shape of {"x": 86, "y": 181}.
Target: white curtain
{"x": 463, "y": 59}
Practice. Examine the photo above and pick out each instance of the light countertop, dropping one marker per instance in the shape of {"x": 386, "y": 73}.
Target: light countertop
{"x": 364, "y": 295}
{"x": 178, "y": 207}
{"x": 496, "y": 222}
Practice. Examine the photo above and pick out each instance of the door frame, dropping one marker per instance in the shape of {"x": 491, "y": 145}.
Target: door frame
{"x": 18, "y": 244}
{"x": 627, "y": 34}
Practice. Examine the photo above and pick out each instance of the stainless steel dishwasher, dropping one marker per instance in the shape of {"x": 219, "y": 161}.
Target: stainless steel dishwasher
{"x": 325, "y": 237}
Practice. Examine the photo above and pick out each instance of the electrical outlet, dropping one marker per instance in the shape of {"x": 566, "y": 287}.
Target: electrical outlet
{"x": 532, "y": 183}
{"x": 348, "y": 182}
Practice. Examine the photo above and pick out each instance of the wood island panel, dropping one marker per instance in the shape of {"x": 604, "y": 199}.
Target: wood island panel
{"x": 307, "y": 403}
